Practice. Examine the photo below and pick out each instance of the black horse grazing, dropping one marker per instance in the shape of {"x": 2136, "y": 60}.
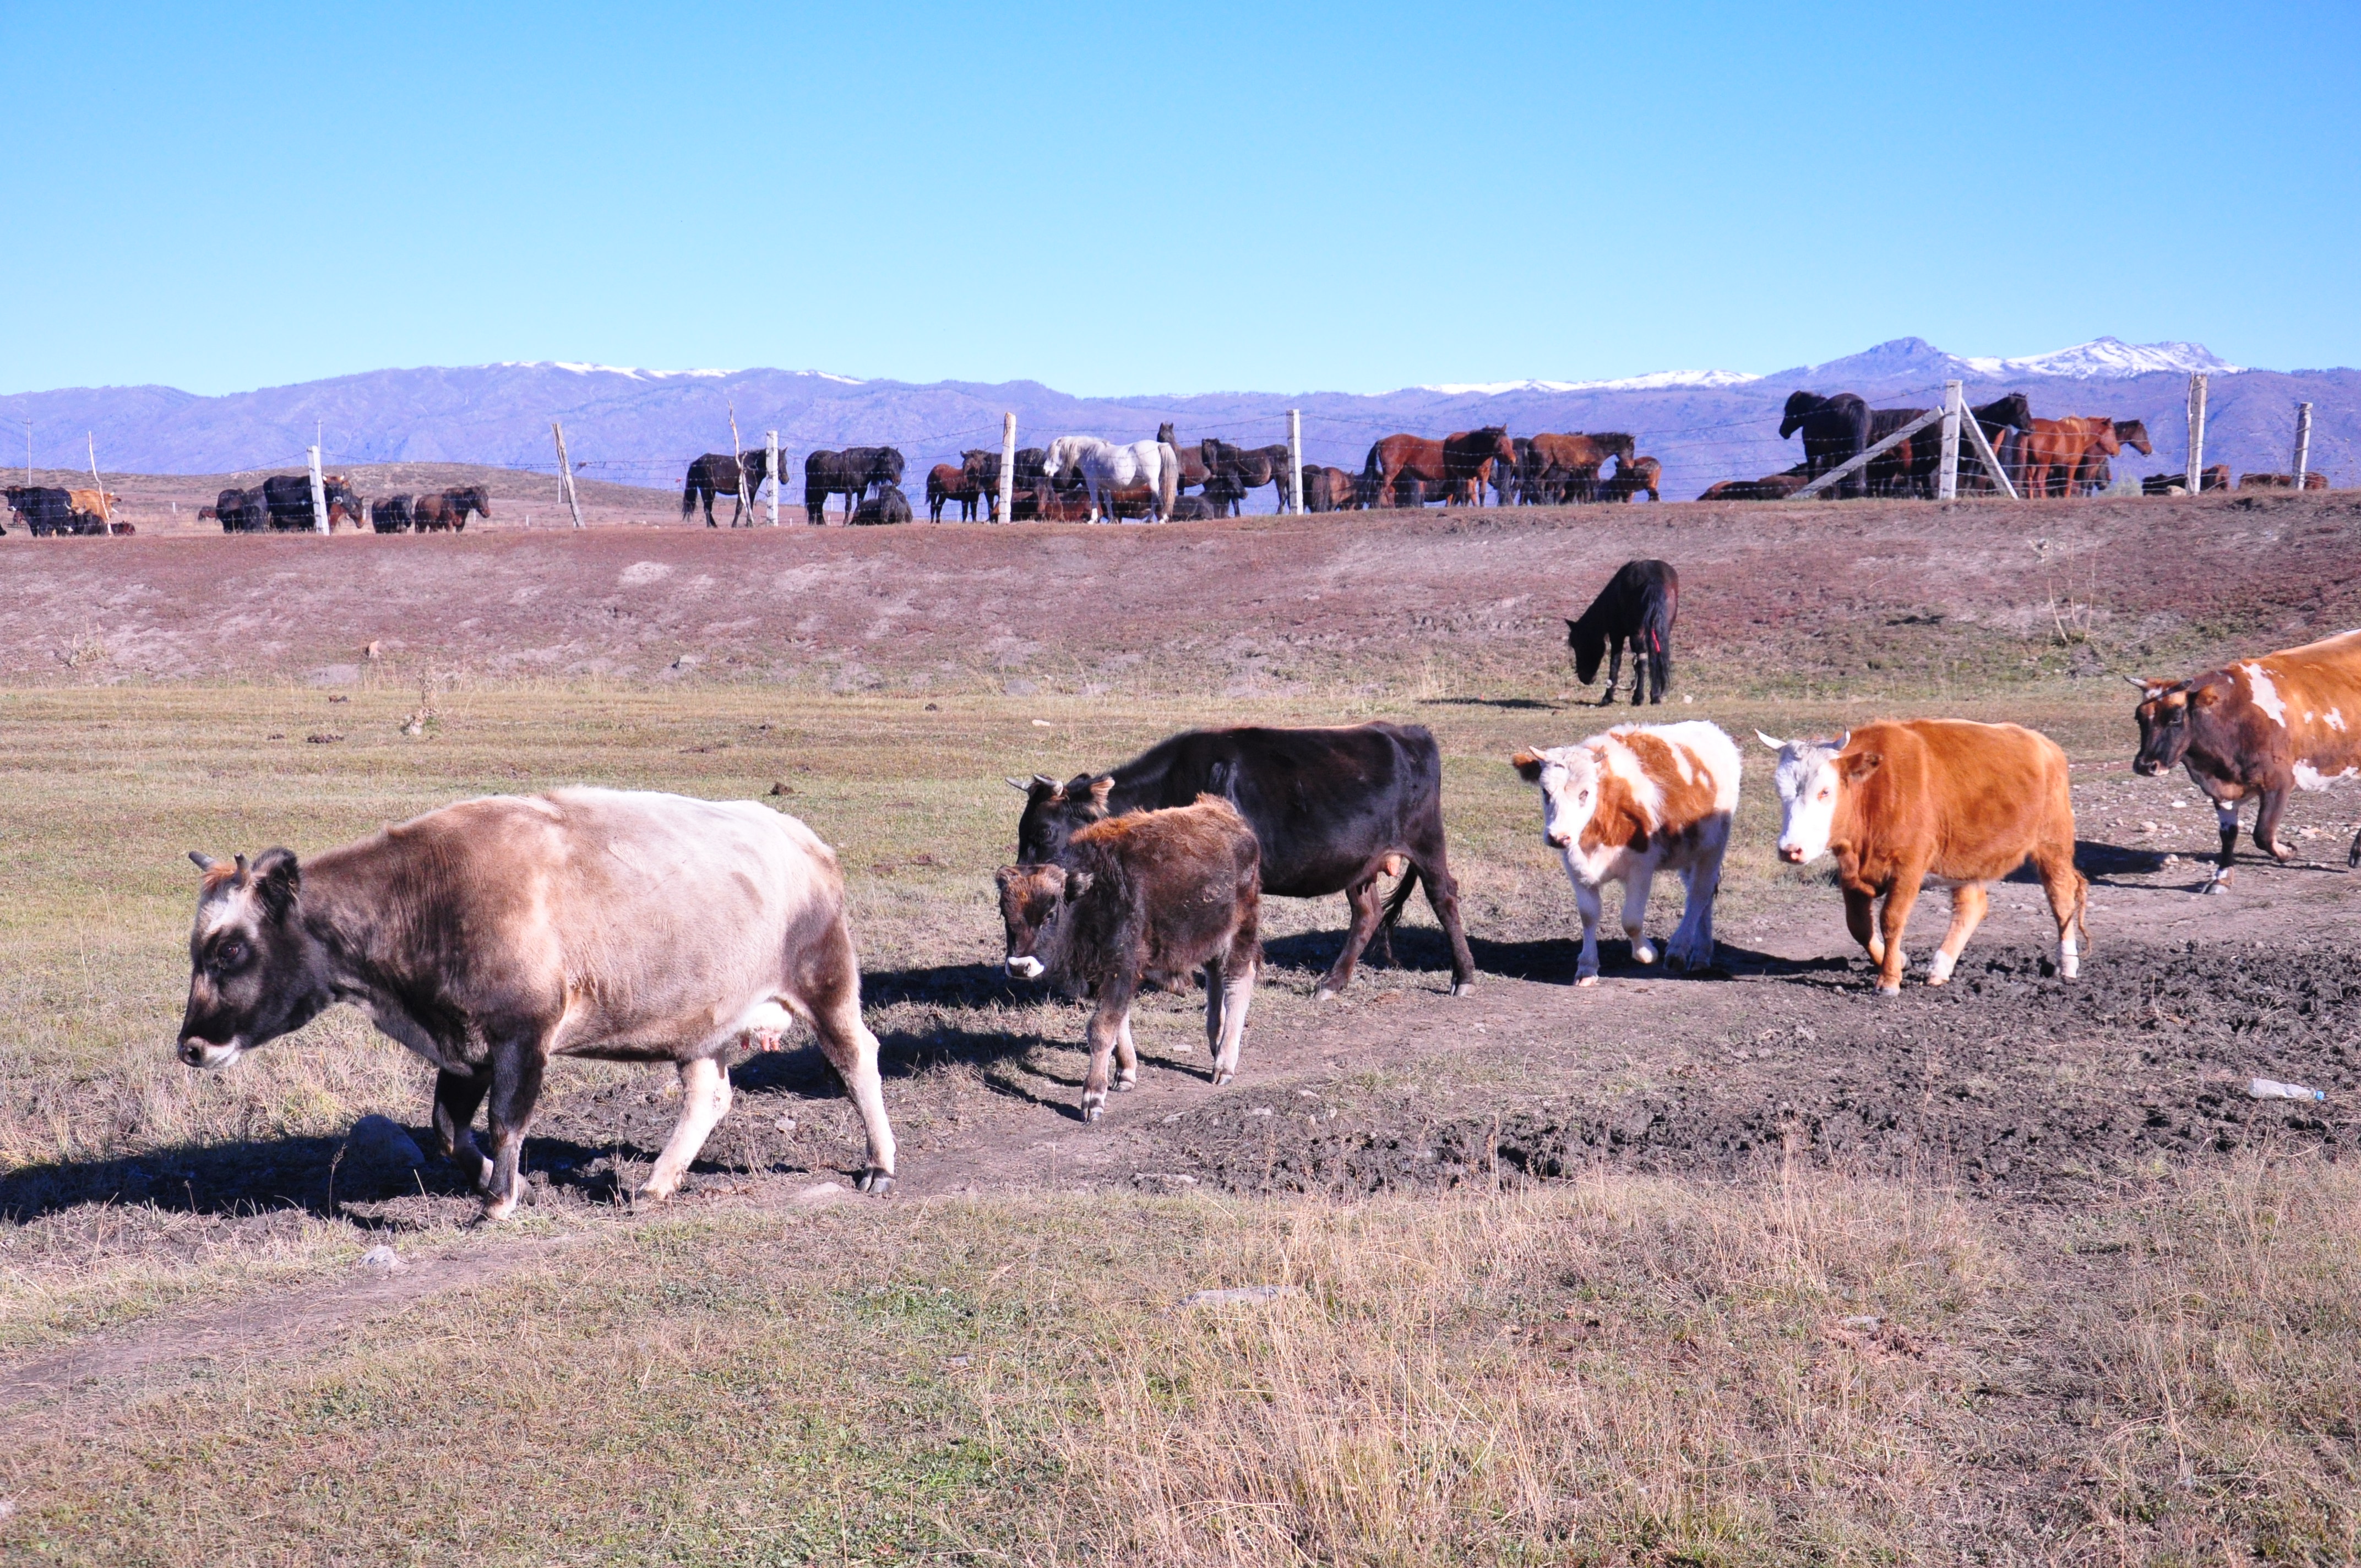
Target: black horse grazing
{"x": 1834, "y": 429}
{"x": 1637, "y": 606}
{"x": 852, "y": 473}
{"x": 390, "y": 515}
{"x": 1333, "y": 810}
{"x": 717, "y": 474}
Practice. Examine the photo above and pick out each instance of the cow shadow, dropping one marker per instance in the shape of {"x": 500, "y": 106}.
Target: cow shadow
{"x": 1510, "y": 704}
{"x": 1545, "y": 960}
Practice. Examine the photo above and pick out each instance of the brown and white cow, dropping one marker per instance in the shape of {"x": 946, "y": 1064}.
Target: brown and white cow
{"x": 1153, "y": 895}
{"x": 492, "y": 935}
{"x": 1621, "y": 806}
{"x": 2256, "y": 729}
{"x": 1901, "y": 801}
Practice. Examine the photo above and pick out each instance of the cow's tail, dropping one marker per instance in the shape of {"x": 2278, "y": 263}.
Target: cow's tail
{"x": 1403, "y": 890}
{"x": 1168, "y": 479}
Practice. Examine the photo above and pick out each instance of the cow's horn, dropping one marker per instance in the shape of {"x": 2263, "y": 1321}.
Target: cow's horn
{"x": 1776, "y": 744}
{"x": 1844, "y": 740}
{"x": 2138, "y": 681}
{"x": 205, "y": 862}
{"x": 1020, "y": 785}
{"x": 241, "y": 864}
{"x": 1046, "y": 779}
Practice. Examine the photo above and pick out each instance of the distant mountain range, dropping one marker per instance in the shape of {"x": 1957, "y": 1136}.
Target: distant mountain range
{"x": 642, "y": 426}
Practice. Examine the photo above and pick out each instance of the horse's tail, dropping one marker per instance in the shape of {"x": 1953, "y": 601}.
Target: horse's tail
{"x": 1168, "y": 479}
{"x": 688, "y": 496}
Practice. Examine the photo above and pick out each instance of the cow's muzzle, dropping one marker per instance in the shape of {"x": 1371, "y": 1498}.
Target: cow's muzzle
{"x": 202, "y": 1053}
{"x": 1792, "y": 854}
{"x": 1026, "y": 967}
{"x": 1558, "y": 840}
{"x": 2146, "y": 767}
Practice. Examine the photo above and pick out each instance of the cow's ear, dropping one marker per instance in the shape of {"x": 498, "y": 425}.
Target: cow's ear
{"x": 1078, "y": 884}
{"x": 1862, "y": 764}
{"x": 277, "y": 880}
{"x": 1528, "y": 764}
{"x": 2204, "y": 696}
{"x": 1100, "y": 789}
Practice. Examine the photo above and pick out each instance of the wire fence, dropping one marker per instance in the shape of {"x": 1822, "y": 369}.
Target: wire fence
{"x": 1684, "y": 459}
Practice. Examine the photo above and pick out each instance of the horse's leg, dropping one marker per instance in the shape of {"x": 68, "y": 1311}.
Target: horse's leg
{"x": 1614, "y": 668}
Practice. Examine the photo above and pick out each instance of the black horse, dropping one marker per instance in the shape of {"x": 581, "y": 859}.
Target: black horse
{"x": 852, "y": 473}
{"x": 888, "y": 505}
{"x": 1637, "y": 606}
{"x": 717, "y": 473}
{"x": 288, "y": 499}
{"x": 1835, "y": 429}
{"x": 390, "y": 515}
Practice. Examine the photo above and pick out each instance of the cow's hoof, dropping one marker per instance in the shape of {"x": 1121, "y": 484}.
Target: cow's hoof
{"x": 1643, "y": 953}
{"x": 1094, "y": 1108}
{"x": 2216, "y": 885}
{"x": 1126, "y": 1084}
{"x": 1223, "y": 1076}
{"x": 1885, "y": 990}
{"x": 1325, "y": 993}
{"x": 876, "y": 1183}
{"x": 1462, "y": 987}
{"x": 498, "y": 1210}
{"x": 1585, "y": 980}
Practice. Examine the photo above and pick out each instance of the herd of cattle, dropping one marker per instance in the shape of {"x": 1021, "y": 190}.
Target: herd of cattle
{"x": 671, "y": 929}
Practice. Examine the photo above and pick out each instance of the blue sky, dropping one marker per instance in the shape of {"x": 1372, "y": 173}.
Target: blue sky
{"x": 1131, "y": 199}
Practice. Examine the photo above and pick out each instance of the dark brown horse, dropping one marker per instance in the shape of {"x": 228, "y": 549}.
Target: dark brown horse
{"x": 445, "y": 511}
{"x": 1193, "y": 470}
{"x": 946, "y": 484}
{"x": 1330, "y": 489}
{"x": 1248, "y": 467}
{"x": 718, "y": 474}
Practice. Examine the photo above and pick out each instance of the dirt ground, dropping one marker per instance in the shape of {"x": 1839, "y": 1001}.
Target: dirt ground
{"x": 221, "y": 691}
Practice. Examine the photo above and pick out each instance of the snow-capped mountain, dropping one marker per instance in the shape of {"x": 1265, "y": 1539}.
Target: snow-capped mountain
{"x": 641, "y": 426}
{"x": 1654, "y": 381}
{"x": 2109, "y": 358}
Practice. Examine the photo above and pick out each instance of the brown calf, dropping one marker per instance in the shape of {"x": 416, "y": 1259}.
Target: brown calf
{"x": 1151, "y": 894}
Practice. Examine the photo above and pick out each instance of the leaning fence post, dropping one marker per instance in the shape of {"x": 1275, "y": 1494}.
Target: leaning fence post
{"x": 1947, "y": 478}
{"x": 2196, "y": 433}
{"x": 1007, "y": 466}
{"x": 319, "y": 496}
{"x": 566, "y": 473}
{"x": 106, "y": 511}
{"x": 1295, "y": 461}
{"x": 2303, "y": 442}
{"x": 771, "y": 461}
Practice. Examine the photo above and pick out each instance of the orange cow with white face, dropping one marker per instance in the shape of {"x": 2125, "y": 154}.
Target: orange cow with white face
{"x": 1898, "y": 801}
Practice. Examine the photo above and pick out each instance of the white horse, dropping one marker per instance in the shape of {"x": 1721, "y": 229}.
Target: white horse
{"x": 1106, "y": 468}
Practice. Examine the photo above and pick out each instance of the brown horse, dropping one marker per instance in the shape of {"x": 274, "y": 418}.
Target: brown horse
{"x": 1330, "y": 489}
{"x": 2054, "y": 453}
{"x": 1632, "y": 478}
{"x": 1565, "y": 467}
{"x": 1248, "y": 467}
{"x": 1194, "y": 471}
{"x": 2131, "y": 433}
{"x": 947, "y": 483}
{"x": 1457, "y": 465}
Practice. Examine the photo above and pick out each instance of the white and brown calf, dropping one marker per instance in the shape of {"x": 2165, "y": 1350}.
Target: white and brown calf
{"x": 1621, "y": 806}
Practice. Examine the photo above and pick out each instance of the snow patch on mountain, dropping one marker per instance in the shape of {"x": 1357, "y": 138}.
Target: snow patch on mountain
{"x": 1650, "y": 382}
{"x": 2109, "y": 358}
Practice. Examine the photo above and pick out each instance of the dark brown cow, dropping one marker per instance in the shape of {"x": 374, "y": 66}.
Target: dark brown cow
{"x": 2312, "y": 481}
{"x": 2256, "y": 729}
{"x": 494, "y": 934}
{"x": 1155, "y": 893}
{"x": 2216, "y": 477}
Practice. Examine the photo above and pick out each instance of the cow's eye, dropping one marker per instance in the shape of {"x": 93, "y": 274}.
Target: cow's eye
{"x": 230, "y": 955}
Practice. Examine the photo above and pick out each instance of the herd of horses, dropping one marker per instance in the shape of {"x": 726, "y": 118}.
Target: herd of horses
{"x": 1083, "y": 478}
{"x": 283, "y": 504}
{"x": 2047, "y": 458}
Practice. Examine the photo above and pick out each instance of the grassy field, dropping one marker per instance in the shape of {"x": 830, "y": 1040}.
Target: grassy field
{"x": 1795, "y": 1364}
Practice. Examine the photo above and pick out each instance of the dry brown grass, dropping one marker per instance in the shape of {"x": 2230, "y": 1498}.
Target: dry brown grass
{"x": 1613, "y": 1370}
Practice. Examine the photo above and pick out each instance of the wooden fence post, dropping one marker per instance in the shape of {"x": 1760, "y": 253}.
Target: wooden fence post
{"x": 1946, "y": 478}
{"x": 106, "y": 512}
{"x": 1007, "y": 466}
{"x": 2196, "y": 433}
{"x": 737, "y": 456}
{"x": 2303, "y": 442}
{"x": 566, "y": 473}
{"x": 1295, "y": 462}
{"x": 319, "y": 496}
{"x": 778, "y": 481}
